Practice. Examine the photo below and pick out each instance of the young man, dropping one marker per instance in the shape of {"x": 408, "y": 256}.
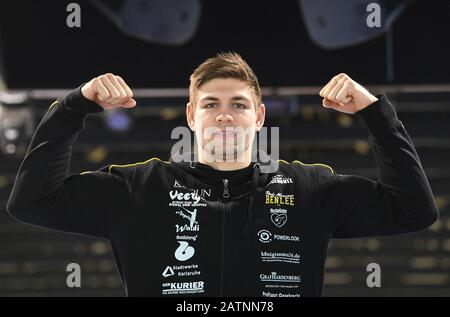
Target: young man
{"x": 220, "y": 226}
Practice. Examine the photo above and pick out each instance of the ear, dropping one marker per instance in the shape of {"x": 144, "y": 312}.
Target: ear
{"x": 190, "y": 116}
{"x": 260, "y": 117}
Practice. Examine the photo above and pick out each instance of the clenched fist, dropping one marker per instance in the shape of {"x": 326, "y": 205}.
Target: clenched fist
{"x": 345, "y": 95}
{"x": 109, "y": 91}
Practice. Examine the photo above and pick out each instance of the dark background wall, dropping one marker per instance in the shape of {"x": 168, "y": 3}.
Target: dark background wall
{"x": 41, "y": 51}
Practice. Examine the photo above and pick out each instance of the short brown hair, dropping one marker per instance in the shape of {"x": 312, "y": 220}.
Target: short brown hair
{"x": 224, "y": 65}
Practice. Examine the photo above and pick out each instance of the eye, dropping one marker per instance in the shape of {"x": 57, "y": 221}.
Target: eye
{"x": 209, "y": 105}
{"x": 239, "y": 106}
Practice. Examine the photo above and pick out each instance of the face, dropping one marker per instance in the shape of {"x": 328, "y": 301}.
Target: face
{"x": 225, "y": 119}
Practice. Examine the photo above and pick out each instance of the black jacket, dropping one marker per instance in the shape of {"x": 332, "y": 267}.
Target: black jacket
{"x": 187, "y": 229}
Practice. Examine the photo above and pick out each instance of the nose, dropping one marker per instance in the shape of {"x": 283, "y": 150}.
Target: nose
{"x": 224, "y": 117}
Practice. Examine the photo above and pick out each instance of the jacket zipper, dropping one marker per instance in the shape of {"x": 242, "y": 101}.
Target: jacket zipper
{"x": 225, "y": 194}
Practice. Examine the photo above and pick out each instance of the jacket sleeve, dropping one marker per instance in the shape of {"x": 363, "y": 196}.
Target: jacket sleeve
{"x": 45, "y": 195}
{"x": 400, "y": 201}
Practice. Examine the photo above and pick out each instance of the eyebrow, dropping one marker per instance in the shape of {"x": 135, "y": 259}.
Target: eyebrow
{"x": 235, "y": 98}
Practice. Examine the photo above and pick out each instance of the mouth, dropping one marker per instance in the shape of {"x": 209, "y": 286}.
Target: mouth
{"x": 225, "y": 133}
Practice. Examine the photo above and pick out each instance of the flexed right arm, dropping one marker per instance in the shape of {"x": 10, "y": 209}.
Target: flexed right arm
{"x": 43, "y": 194}
{"x": 109, "y": 91}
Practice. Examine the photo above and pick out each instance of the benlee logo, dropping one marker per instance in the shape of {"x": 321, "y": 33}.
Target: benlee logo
{"x": 279, "y": 199}
{"x": 184, "y": 196}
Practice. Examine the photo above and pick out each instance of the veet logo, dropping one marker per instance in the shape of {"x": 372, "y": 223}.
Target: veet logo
{"x": 183, "y": 199}
{"x": 184, "y": 196}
